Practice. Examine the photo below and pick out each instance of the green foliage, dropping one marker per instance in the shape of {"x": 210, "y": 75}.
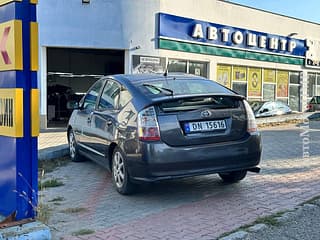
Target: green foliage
{"x": 50, "y": 183}
{"x": 74, "y": 210}
{"x": 83, "y": 232}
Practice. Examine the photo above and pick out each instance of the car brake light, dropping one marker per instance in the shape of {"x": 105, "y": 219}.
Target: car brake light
{"x": 148, "y": 128}
{"x": 252, "y": 125}
{"x": 309, "y": 106}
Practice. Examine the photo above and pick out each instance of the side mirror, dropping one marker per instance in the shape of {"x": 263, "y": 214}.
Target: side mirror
{"x": 71, "y": 105}
{"x": 264, "y": 110}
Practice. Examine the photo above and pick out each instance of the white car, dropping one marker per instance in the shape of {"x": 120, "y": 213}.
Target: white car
{"x": 269, "y": 108}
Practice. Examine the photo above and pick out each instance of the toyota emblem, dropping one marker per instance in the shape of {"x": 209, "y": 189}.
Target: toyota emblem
{"x": 205, "y": 113}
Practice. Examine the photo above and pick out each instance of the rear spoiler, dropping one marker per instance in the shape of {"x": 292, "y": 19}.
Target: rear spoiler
{"x": 169, "y": 98}
{"x": 177, "y": 97}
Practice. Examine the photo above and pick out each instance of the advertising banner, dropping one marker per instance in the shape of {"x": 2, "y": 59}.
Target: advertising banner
{"x": 148, "y": 64}
{"x": 269, "y": 76}
{"x": 282, "y": 83}
{"x": 208, "y": 33}
{"x": 254, "y": 82}
{"x": 224, "y": 75}
{"x": 239, "y": 73}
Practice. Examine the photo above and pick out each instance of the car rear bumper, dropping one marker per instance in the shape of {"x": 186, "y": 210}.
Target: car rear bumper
{"x": 158, "y": 161}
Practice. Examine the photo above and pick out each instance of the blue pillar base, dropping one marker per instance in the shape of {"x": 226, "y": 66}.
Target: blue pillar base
{"x": 28, "y": 231}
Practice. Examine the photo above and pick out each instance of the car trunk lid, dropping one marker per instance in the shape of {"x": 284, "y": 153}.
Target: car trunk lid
{"x": 201, "y": 120}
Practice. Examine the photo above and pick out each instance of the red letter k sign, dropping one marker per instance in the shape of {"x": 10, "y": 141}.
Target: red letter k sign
{"x": 3, "y": 42}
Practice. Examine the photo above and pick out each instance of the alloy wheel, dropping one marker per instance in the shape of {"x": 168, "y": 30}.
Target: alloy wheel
{"x": 72, "y": 146}
{"x": 118, "y": 170}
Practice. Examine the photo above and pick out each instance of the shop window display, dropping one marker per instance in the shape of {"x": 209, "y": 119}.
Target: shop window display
{"x": 269, "y": 92}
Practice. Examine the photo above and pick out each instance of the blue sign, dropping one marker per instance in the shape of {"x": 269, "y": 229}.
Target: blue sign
{"x": 19, "y": 108}
{"x": 195, "y": 31}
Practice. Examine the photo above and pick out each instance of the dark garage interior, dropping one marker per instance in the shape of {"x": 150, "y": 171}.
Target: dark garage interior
{"x": 70, "y": 72}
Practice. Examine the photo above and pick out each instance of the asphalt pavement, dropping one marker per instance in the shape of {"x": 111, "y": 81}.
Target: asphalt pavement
{"x": 302, "y": 223}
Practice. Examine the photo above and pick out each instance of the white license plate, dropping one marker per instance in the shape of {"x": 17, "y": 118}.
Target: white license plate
{"x": 205, "y": 126}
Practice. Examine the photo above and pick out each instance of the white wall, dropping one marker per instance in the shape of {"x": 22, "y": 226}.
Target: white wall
{"x": 71, "y": 23}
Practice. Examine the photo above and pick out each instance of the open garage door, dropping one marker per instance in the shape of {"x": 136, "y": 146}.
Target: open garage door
{"x": 71, "y": 72}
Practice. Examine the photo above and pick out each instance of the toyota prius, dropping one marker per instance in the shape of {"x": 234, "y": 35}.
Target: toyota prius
{"x": 146, "y": 128}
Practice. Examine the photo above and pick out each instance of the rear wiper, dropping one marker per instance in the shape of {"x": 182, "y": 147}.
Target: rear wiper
{"x": 160, "y": 89}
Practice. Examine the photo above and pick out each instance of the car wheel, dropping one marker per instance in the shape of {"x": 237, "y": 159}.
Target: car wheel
{"x": 232, "y": 177}
{"x": 73, "y": 148}
{"x": 120, "y": 176}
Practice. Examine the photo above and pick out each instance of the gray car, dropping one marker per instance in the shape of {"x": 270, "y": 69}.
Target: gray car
{"x": 314, "y": 104}
{"x": 146, "y": 128}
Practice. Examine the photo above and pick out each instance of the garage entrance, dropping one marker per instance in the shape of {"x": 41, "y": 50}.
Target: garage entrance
{"x": 71, "y": 72}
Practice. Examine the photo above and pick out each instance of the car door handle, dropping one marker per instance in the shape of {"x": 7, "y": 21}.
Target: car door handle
{"x": 89, "y": 118}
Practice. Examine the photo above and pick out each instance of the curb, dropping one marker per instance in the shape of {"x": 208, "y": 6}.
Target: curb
{"x": 283, "y": 118}
{"x": 53, "y": 152}
{"x": 28, "y": 231}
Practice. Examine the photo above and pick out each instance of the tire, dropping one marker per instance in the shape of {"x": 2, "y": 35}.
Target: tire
{"x": 232, "y": 177}
{"x": 73, "y": 148}
{"x": 120, "y": 176}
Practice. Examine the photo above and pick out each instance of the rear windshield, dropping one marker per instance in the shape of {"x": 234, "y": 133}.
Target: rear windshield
{"x": 182, "y": 87}
{"x": 193, "y": 103}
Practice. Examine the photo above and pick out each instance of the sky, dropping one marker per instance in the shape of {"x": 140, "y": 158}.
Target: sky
{"x": 303, "y": 9}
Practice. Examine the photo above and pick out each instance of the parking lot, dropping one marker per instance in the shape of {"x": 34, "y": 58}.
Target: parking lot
{"x": 87, "y": 206}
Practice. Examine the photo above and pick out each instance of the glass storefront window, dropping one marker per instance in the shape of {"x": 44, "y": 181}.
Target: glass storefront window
{"x": 294, "y": 77}
{"x": 294, "y": 97}
{"x": 318, "y": 85}
{"x": 269, "y": 91}
{"x": 177, "y": 66}
{"x": 184, "y": 66}
{"x": 283, "y": 100}
{"x": 240, "y": 88}
{"x": 198, "y": 68}
{"x": 311, "y": 84}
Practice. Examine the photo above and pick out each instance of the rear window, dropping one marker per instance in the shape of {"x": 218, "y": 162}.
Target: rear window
{"x": 193, "y": 103}
{"x": 182, "y": 87}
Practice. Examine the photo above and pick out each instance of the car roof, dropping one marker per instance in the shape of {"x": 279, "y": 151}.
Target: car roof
{"x": 139, "y": 78}
{"x": 133, "y": 81}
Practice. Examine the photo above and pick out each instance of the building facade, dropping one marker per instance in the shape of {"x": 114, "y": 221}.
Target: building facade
{"x": 261, "y": 55}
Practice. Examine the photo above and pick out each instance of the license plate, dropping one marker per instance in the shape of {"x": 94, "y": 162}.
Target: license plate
{"x": 205, "y": 126}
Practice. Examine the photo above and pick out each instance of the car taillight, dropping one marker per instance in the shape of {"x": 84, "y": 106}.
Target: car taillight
{"x": 148, "y": 128}
{"x": 252, "y": 125}
{"x": 309, "y": 106}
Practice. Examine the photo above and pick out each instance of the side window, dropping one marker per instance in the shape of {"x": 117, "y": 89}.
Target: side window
{"x": 125, "y": 97}
{"x": 110, "y": 96}
{"x": 92, "y": 95}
